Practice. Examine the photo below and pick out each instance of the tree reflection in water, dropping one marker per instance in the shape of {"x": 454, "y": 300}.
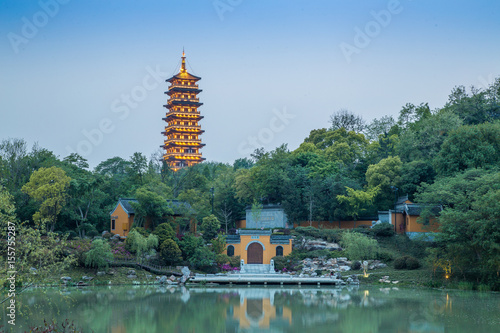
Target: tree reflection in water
{"x": 260, "y": 309}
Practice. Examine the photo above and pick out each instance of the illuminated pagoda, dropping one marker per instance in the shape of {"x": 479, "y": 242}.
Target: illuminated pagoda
{"x": 182, "y": 143}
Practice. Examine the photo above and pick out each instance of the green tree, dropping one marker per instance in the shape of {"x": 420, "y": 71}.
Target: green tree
{"x": 475, "y": 146}
{"x": 219, "y": 244}
{"x": 358, "y": 246}
{"x": 152, "y": 203}
{"x": 99, "y": 254}
{"x": 85, "y": 195}
{"x": 202, "y": 258}
{"x": 48, "y": 186}
{"x": 358, "y": 201}
{"x": 188, "y": 244}
{"x": 198, "y": 200}
{"x": 386, "y": 175}
{"x": 411, "y": 114}
{"x": 137, "y": 167}
{"x": 379, "y": 127}
{"x": 140, "y": 244}
{"x": 210, "y": 227}
{"x": 347, "y": 120}
{"x": 170, "y": 252}
{"x": 423, "y": 139}
{"x": 256, "y": 211}
{"x": 479, "y": 106}
{"x": 413, "y": 174}
{"x": 469, "y": 222}
{"x": 164, "y": 231}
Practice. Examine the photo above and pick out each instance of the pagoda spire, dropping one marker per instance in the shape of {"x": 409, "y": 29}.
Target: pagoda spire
{"x": 183, "y": 65}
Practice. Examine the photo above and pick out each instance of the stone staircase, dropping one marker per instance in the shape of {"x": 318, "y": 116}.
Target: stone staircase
{"x": 256, "y": 269}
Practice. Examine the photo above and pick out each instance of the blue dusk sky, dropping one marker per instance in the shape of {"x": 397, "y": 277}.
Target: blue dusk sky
{"x": 89, "y": 76}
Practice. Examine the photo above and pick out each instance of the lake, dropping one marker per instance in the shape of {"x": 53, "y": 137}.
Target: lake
{"x": 134, "y": 309}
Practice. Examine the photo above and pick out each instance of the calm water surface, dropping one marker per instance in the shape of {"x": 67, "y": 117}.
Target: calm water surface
{"x": 257, "y": 309}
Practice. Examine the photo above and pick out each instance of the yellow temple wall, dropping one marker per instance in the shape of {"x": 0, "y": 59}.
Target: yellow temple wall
{"x": 269, "y": 249}
{"x": 123, "y": 222}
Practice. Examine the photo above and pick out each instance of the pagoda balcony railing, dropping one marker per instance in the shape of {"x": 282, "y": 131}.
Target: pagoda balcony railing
{"x": 185, "y": 112}
{"x": 176, "y": 155}
{"x": 182, "y": 86}
{"x": 183, "y": 100}
{"x": 183, "y": 126}
{"x": 183, "y": 140}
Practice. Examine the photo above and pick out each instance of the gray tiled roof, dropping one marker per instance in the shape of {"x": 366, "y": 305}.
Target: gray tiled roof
{"x": 416, "y": 209}
{"x": 255, "y": 232}
{"x": 179, "y": 207}
{"x": 126, "y": 205}
{"x": 280, "y": 239}
{"x": 233, "y": 239}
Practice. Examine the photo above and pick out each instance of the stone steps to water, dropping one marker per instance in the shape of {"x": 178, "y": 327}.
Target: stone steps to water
{"x": 256, "y": 269}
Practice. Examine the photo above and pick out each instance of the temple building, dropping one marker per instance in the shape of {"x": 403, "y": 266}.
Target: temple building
{"x": 182, "y": 143}
{"x": 259, "y": 239}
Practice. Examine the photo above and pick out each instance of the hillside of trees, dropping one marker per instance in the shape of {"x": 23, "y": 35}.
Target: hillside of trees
{"x": 350, "y": 169}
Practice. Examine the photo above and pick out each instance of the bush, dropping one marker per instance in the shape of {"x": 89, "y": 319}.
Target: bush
{"x": 412, "y": 263}
{"x": 137, "y": 243}
{"x": 465, "y": 285}
{"x": 99, "y": 254}
{"x": 484, "y": 287}
{"x": 406, "y": 262}
{"x": 188, "y": 244}
{"x": 356, "y": 265}
{"x": 288, "y": 263}
{"x": 359, "y": 247}
{"x": 221, "y": 259}
{"x": 400, "y": 263}
{"x": 119, "y": 251}
{"x": 219, "y": 244}
{"x": 164, "y": 231}
{"x": 141, "y": 230}
{"x": 202, "y": 259}
{"x": 210, "y": 226}
{"x": 170, "y": 252}
{"x": 362, "y": 229}
{"x": 280, "y": 262}
{"x": 107, "y": 235}
{"x": 53, "y": 326}
{"x": 79, "y": 247}
{"x": 384, "y": 256}
{"x": 319, "y": 272}
{"x": 72, "y": 234}
{"x": 235, "y": 261}
{"x": 383, "y": 230}
{"x": 92, "y": 233}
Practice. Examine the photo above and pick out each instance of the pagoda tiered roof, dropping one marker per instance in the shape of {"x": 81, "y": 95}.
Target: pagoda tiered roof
{"x": 181, "y": 142}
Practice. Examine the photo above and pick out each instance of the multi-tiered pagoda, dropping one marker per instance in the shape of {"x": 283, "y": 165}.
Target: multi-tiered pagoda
{"x": 182, "y": 143}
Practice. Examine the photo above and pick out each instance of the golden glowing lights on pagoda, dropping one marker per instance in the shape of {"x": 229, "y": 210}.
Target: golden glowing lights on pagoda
{"x": 182, "y": 143}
